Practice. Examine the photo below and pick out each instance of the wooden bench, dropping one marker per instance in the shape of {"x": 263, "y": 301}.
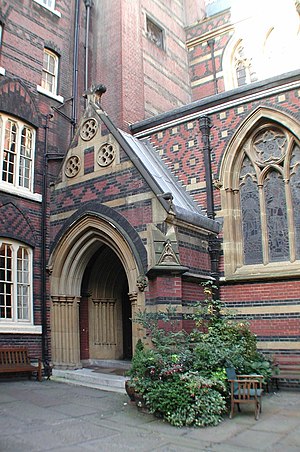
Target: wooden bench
{"x": 288, "y": 370}
{"x": 17, "y": 360}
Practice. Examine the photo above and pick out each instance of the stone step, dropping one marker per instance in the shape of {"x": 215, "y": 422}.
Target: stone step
{"x": 92, "y": 378}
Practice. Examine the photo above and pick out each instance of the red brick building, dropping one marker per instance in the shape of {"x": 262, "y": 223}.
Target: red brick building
{"x": 108, "y": 222}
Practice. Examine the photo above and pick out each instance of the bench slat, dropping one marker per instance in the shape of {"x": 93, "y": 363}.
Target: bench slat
{"x": 16, "y": 359}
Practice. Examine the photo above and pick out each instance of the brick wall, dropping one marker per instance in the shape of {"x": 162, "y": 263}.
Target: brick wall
{"x": 28, "y": 28}
{"x": 271, "y": 306}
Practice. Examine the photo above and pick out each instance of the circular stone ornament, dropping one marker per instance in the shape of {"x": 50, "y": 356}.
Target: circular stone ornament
{"x": 72, "y": 167}
{"x": 106, "y": 154}
{"x": 88, "y": 129}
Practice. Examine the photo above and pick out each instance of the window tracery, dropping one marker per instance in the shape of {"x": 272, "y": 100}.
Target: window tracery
{"x": 244, "y": 72}
{"x": 264, "y": 196}
{"x": 261, "y": 199}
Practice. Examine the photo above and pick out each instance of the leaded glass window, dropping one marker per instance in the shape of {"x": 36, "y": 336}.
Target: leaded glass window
{"x": 295, "y": 192}
{"x": 269, "y": 196}
{"x": 276, "y": 217}
{"x": 251, "y": 222}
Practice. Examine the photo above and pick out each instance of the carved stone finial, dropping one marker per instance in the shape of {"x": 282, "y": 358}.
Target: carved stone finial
{"x": 95, "y": 92}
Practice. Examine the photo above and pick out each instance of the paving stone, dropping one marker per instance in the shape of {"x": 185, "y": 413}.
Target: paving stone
{"x": 59, "y": 417}
{"x": 255, "y": 439}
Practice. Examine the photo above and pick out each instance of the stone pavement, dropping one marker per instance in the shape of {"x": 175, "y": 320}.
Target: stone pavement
{"x": 62, "y": 417}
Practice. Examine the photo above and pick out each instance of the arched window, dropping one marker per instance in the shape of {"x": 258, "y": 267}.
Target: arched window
{"x": 261, "y": 199}
{"x": 263, "y": 44}
{"x": 243, "y": 70}
{"x": 50, "y": 72}
{"x": 238, "y": 67}
{"x": 17, "y": 141}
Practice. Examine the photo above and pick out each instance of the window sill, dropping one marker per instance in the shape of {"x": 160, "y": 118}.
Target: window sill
{"x": 14, "y": 328}
{"x": 53, "y": 11}
{"x": 278, "y": 270}
{"x": 2, "y": 71}
{"x": 49, "y": 94}
{"x": 19, "y": 192}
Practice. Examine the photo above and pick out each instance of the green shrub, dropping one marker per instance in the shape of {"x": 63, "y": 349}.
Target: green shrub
{"x": 186, "y": 400}
{"x": 182, "y": 377}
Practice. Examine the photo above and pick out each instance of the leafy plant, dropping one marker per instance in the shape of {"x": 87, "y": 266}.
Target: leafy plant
{"x": 186, "y": 399}
{"x": 182, "y": 376}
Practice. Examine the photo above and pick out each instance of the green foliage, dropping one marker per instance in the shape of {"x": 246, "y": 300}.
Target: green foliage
{"x": 182, "y": 377}
{"x": 186, "y": 399}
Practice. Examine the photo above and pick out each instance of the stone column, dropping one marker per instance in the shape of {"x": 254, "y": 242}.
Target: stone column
{"x": 65, "y": 332}
{"x": 136, "y": 334}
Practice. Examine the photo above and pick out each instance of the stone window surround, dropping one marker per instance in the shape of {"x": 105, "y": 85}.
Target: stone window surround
{"x": 234, "y": 269}
{"x": 152, "y": 31}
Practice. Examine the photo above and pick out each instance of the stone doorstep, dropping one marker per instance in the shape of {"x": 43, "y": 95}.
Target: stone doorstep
{"x": 87, "y": 377}
{"x": 106, "y": 363}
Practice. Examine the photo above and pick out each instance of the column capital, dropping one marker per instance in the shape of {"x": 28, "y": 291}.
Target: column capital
{"x": 64, "y": 299}
{"x": 133, "y": 297}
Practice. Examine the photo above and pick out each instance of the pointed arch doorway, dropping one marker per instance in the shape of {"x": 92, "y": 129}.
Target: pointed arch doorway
{"x": 105, "y": 309}
{"x": 95, "y": 268}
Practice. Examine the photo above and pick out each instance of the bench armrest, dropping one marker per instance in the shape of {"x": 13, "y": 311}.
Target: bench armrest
{"x": 250, "y": 376}
{"x": 247, "y": 380}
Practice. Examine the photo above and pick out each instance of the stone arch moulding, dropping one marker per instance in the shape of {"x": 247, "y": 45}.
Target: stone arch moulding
{"x": 230, "y": 48}
{"x": 77, "y": 241}
{"x": 258, "y": 116}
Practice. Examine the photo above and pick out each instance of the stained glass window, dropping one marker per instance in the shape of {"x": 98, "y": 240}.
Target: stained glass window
{"x": 251, "y": 222}
{"x": 276, "y": 215}
{"x": 269, "y": 197}
{"x": 270, "y": 145}
{"x": 295, "y": 191}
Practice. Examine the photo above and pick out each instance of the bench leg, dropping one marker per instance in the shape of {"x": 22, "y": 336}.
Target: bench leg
{"x": 274, "y": 382}
{"x": 39, "y": 372}
{"x": 257, "y": 410}
{"x": 231, "y": 410}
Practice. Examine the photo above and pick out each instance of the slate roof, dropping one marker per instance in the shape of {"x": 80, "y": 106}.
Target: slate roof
{"x": 182, "y": 203}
